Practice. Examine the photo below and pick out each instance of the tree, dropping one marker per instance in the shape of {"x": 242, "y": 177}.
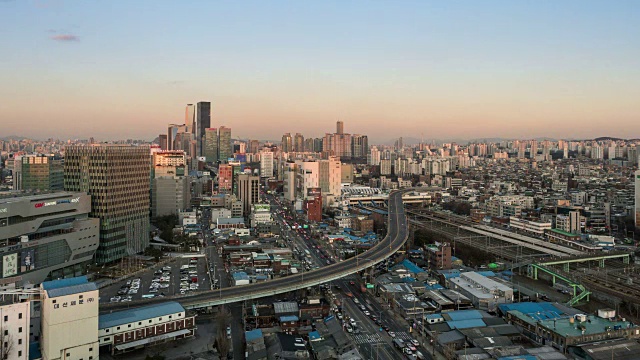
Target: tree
{"x": 6, "y": 345}
{"x": 223, "y": 319}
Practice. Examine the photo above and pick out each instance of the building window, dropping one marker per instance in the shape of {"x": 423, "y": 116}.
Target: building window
{"x": 19, "y": 341}
{"x": 129, "y": 325}
{"x": 20, "y": 329}
{"x": 140, "y": 323}
{"x": 20, "y": 316}
{"x": 107, "y": 330}
{"x": 118, "y": 328}
{"x": 54, "y": 301}
{"x": 90, "y": 349}
{"x": 68, "y": 354}
{"x": 80, "y": 296}
{"x": 6, "y": 318}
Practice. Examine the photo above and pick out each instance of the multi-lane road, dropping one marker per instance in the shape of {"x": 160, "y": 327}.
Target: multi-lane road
{"x": 396, "y": 236}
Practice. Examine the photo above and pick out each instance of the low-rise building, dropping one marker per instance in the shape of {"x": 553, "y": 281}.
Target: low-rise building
{"x": 14, "y": 330}
{"x": 484, "y": 292}
{"x": 533, "y": 227}
{"x": 131, "y": 329}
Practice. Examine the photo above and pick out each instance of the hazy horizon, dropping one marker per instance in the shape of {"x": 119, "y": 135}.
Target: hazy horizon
{"x": 464, "y": 70}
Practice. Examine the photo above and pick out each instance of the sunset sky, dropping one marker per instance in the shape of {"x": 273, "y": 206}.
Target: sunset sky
{"x": 463, "y": 69}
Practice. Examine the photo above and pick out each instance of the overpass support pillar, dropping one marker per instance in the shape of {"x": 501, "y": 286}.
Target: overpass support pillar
{"x": 565, "y": 267}
{"x": 553, "y": 280}
{"x": 601, "y": 263}
{"x": 535, "y": 273}
{"x": 625, "y": 260}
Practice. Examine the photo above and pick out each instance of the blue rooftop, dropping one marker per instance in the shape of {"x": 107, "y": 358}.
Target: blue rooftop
{"x": 241, "y": 275}
{"x": 253, "y": 335}
{"x": 138, "y": 314}
{"x": 537, "y": 311}
{"x": 518, "y": 357}
{"x": 411, "y": 266}
{"x": 466, "y": 324}
{"x": 487, "y": 273}
{"x": 464, "y": 315}
{"x": 434, "y": 287}
{"x": 314, "y": 335}
{"x": 57, "y": 284}
{"x": 288, "y": 318}
{"x": 433, "y": 316}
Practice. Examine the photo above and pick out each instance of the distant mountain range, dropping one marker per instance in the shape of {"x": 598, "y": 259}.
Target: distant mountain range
{"x": 414, "y": 141}
{"x": 13, "y": 137}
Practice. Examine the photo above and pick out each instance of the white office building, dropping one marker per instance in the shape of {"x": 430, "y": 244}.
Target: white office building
{"x": 266, "y": 164}
{"x": 14, "y": 331}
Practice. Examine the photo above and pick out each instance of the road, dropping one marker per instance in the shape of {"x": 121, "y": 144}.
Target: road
{"x": 396, "y": 237}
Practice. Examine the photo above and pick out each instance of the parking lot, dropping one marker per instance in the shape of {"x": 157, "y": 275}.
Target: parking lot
{"x": 183, "y": 275}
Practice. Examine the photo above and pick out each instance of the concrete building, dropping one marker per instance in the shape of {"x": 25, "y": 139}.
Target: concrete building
{"x": 287, "y": 143}
{"x": 69, "y": 320}
{"x": 484, "y": 292}
{"x": 46, "y": 236}
{"x": 569, "y": 223}
{"x": 248, "y": 191}
{"x": 289, "y": 175}
{"x": 38, "y": 172}
{"x": 117, "y": 178}
{"x": 534, "y": 227}
{"x": 260, "y": 214}
{"x": 637, "y": 198}
{"x": 298, "y": 143}
{"x": 225, "y": 178}
{"x": 385, "y": 167}
{"x": 359, "y": 146}
{"x": 346, "y": 173}
{"x": 330, "y": 176}
{"x": 439, "y": 256}
{"x": 373, "y": 157}
{"x": 202, "y": 122}
{"x": 15, "y": 321}
{"x": 308, "y": 176}
{"x": 170, "y": 195}
{"x": 266, "y": 164}
{"x": 132, "y": 329}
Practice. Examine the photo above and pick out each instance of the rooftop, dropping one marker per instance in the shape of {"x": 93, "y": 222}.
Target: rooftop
{"x": 594, "y": 325}
{"x": 138, "y": 314}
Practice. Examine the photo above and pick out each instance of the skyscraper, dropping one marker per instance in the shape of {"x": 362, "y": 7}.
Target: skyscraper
{"x": 339, "y": 127}
{"x": 211, "y": 145}
{"x": 225, "y": 150}
{"x": 117, "y": 178}
{"x": 203, "y": 121}
{"x": 162, "y": 140}
{"x": 359, "y": 146}
{"x": 248, "y": 191}
{"x": 169, "y": 185}
{"x": 190, "y": 117}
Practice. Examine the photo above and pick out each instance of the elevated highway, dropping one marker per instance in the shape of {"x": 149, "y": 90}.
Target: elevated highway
{"x": 397, "y": 234}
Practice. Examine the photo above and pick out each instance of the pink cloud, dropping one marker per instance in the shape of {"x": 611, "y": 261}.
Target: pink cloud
{"x": 65, "y": 37}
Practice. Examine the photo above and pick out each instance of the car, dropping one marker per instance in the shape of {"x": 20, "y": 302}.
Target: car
{"x": 228, "y": 331}
{"x": 415, "y": 342}
{"x": 411, "y": 347}
{"x": 392, "y": 334}
{"x": 352, "y": 283}
{"x": 115, "y": 299}
{"x": 366, "y": 312}
{"x": 386, "y": 328}
{"x": 182, "y": 292}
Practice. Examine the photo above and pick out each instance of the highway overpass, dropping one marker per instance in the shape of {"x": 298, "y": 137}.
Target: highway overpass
{"x": 397, "y": 234}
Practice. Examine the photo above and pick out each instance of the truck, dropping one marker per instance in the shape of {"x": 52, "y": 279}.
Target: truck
{"x": 398, "y": 343}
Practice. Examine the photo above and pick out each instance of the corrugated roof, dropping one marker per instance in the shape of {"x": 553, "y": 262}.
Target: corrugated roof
{"x": 70, "y": 290}
{"x": 464, "y": 315}
{"x": 253, "y": 335}
{"x": 138, "y": 314}
{"x": 288, "y": 318}
{"x": 466, "y": 324}
{"x": 285, "y": 307}
{"x": 56, "y": 284}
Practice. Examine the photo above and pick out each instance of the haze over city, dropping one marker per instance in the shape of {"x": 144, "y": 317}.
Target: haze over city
{"x": 446, "y": 70}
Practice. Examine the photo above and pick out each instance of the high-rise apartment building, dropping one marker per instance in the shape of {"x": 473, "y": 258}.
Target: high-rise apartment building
{"x": 637, "y": 191}
{"x": 225, "y": 150}
{"x": 254, "y": 146}
{"x": 298, "y": 143}
{"x": 117, "y": 178}
{"x": 211, "y": 145}
{"x": 287, "y": 143}
{"x": 203, "y": 121}
{"x": 359, "y": 146}
{"x": 38, "y": 172}
{"x": 162, "y": 141}
{"x": 248, "y": 191}
{"x": 266, "y": 164}
{"x": 373, "y": 158}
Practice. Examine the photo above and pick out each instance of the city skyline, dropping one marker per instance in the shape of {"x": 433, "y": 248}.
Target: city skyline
{"x": 467, "y": 71}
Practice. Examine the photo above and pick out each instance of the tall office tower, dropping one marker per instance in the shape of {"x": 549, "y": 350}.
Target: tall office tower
{"x": 254, "y": 146}
{"x": 339, "y": 127}
{"x": 190, "y": 117}
{"x": 287, "y": 143}
{"x": 298, "y": 143}
{"x": 266, "y": 164}
{"x": 172, "y": 132}
{"x": 225, "y": 178}
{"x": 203, "y": 121}
{"x": 162, "y": 140}
{"x": 211, "y": 145}
{"x": 46, "y": 236}
{"x": 637, "y": 184}
{"x": 117, "y": 178}
{"x": 184, "y": 141}
{"x": 373, "y": 158}
{"x": 248, "y": 191}
{"x": 225, "y": 149}
{"x": 330, "y": 176}
{"x": 38, "y": 172}
{"x": 359, "y": 146}
{"x": 317, "y": 145}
